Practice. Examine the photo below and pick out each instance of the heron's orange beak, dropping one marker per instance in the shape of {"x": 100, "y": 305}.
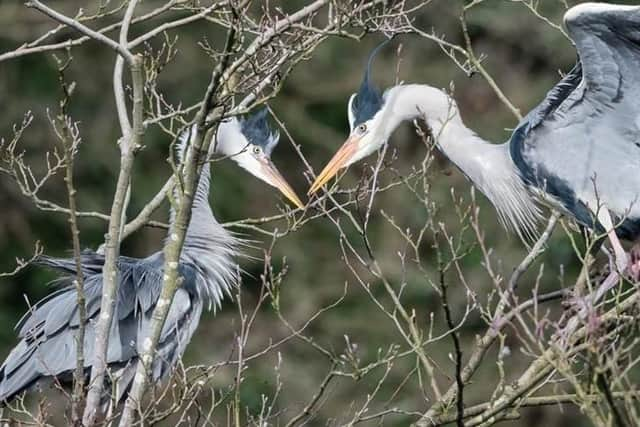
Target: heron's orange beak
{"x": 277, "y": 180}
{"x": 339, "y": 160}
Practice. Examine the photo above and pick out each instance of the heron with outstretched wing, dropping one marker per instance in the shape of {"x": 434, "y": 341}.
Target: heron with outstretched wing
{"x": 579, "y": 150}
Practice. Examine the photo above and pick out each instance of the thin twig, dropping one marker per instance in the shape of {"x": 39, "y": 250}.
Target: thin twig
{"x": 57, "y": 16}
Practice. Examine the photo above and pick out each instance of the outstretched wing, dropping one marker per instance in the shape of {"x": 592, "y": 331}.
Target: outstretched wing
{"x": 555, "y": 97}
{"x": 48, "y": 331}
{"x": 607, "y": 38}
{"x": 581, "y": 145}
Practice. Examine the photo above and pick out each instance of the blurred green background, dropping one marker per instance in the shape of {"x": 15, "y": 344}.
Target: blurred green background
{"x": 523, "y": 54}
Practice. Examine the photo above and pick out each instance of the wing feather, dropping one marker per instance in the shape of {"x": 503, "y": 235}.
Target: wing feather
{"x": 607, "y": 38}
{"x": 580, "y": 148}
{"x": 48, "y": 331}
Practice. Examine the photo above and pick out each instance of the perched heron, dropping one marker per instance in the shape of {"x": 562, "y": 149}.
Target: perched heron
{"x": 579, "y": 150}
{"x": 48, "y": 331}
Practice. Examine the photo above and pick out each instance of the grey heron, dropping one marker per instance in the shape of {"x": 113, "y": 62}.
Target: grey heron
{"x": 47, "y": 331}
{"x": 578, "y": 150}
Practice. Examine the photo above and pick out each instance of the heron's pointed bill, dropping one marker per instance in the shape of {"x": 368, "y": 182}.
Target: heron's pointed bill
{"x": 277, "y": 180}
{"x": 339, "y": 160}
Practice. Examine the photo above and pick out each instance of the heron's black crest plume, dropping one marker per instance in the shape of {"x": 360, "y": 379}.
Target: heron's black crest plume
{"x": 368, "y": 100}
{"x": 255, "y": 128}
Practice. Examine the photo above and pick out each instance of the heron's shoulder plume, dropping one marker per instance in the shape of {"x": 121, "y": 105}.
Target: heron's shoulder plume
{"x": 368, "y": 100}
{"x": 517, "y": 209}
{"x": 257, "y": 131}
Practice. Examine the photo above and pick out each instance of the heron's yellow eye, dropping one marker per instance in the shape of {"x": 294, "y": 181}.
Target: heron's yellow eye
{"x": 257, "y": 149}
{"x": 362, "y": 128}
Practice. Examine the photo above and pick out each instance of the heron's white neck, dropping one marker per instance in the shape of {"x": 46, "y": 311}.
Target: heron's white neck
{"x": 488, "y": 166}
{"x": 229, "y": 140}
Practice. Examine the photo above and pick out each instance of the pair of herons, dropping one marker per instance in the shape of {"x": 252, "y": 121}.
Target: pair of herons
{"x": 579, "y": 150}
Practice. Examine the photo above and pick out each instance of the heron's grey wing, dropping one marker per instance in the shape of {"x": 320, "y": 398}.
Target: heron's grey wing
{"x": 554, "y": 99}
{"x": 49, "y": 330}
{"x": 581, "y": 145}
{"x": 607, "y": 38}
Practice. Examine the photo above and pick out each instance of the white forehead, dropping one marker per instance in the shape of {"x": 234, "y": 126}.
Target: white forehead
{"x": 350, "y": 115}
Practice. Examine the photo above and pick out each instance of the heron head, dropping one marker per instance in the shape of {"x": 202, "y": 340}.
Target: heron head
{"x": 249, "y": 141}
{"x": 365, "y": 112}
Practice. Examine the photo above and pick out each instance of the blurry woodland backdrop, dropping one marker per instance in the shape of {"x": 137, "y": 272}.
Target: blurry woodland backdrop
{"x": 519, "y": 44}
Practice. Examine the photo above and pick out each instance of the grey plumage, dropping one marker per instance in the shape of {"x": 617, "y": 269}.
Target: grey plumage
{"x": 47, "y": 332}
{"x": 591, "y": 119}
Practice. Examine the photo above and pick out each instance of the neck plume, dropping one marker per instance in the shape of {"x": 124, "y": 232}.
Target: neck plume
{"x": 488, "y": 166}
